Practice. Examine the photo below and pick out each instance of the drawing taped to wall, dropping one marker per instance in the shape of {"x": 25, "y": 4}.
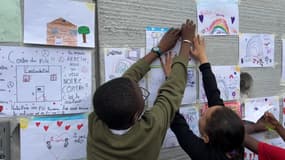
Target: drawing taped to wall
{"x": 228, "y": 81}
{"x": 153, "y": 37}
{"x": 118, "y": 60}
{"x": 56, "y": 26}
{"x": 256, "y": 50}
{"x": 218, "y": 18}
{"x": 42, "y": 81}
{"x": 54, "y": 138}
{"x": 191, "y": 115}
{"x": 156, "y": 78}
{"x": 254, "y": 108}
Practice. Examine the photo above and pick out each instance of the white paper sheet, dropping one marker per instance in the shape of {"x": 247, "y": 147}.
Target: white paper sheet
{"x": 255, "y": 108}
{"x": 118, "y": 60}
{"x": 156, "y": 78}
{"x": 44, "y": 81}
{"x": 256, "y": 50}
{"x": 54, "y": 138}
{"x": 228, "y": 80}
{"x": 218, "y": 18}
{"x": 191, "y": 115}
{"x": 153, "y": 37}
{"x": 64, "y": 22}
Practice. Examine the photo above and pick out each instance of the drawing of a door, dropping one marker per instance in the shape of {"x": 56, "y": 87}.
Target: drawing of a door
{"x": 40, "y": 93}
{"x": 58, "y": 40}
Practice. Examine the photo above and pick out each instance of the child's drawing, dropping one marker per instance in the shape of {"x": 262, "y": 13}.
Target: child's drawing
{"x": 256, "y": 50}
{"x": 218, "y": 18}
{"x": 156, "y": 78}
{"x": 191, "y": 115}
{"x": 254, "y": 108}
{"x": 118, "y": 60}
{"x": 61, "y": 32}
{"x": 54, "y": 138}
{"x": 57, "y": 26}
{"x": 228, "y": 81}
{"x": 153, "y": 37}
{"x": 44, "y": 81}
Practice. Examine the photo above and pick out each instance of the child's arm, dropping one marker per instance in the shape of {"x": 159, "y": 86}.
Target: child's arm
{"x": 138, "y": 70}
{"x": 209, "y": 80}
{"x": 171, "y": 91}
{"x": 251, "y": 143}
{"x": 264, "y": 151}
{"x": 188, "y": 141}
{"x": 273, "y": 122}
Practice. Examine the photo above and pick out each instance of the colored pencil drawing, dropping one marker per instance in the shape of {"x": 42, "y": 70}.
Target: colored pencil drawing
{"x": 118, "y": 60}
{"x": 256, "y": 50}
{"x": 153, "y": 37}
{"x": 54, "y": 138}
{"x": 218, "y": 18}
{"x": 57, "y": 26}
{"x": 228, "y": 81}
{"x": 191, "y": 115}
{"x": 156, "y": 78}
{"x": 44, "y": 81}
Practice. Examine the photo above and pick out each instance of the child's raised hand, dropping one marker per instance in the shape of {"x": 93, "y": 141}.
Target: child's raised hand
{"x": 270, "y": 120}
{"x": 169, "y": 40}
{"x": 199, "y": 50}
{"x": 167, "y": 65}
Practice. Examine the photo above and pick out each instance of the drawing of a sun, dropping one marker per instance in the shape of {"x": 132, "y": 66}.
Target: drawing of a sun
{"x": 90, "y": 6}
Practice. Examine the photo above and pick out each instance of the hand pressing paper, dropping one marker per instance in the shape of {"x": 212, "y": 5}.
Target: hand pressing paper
{"x": 254, "y": 113}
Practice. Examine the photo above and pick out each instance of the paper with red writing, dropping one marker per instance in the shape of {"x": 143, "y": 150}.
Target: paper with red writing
{"x": 54, "y": 138}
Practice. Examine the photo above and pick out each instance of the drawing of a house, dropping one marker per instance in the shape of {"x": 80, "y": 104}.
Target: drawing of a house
{"x": 61, "y": 32}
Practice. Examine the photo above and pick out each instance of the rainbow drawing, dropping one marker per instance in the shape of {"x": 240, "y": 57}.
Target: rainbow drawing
{"x": 219, "y": 26}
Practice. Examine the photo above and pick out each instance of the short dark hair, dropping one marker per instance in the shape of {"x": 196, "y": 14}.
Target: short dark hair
{"x": 226, "y": 131}
{"x": 116, "y": 103}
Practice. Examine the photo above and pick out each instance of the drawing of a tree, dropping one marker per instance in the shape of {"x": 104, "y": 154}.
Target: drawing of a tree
{"x": 84, "y": 30}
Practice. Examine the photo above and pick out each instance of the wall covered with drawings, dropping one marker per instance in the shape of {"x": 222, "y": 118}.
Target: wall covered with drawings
{"x": 47, "y": 78}
{"x": 241, "y": 37}
{"x": 49, "y": 52}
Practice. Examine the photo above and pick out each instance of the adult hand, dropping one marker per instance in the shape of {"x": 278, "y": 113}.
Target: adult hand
{"x": 167, "y": 65}
{"x": 199, "y": 51}
{"x": 188, "y": 30}
{"x": 169, "y": 40}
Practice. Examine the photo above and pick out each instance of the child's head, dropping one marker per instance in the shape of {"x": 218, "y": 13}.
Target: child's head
{"x": 118, "y": 103}
{"x": 222, "y": 128}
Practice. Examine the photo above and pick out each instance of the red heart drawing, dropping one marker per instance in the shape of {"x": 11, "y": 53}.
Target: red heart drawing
{"x": 1, "y": 108}
{"x": 59, "y": 123}
{"x": 46, "y": 128}
{"x": 67, "y": 127}
{"x": 38, "y": 124}
{"x": 79, "y": 126}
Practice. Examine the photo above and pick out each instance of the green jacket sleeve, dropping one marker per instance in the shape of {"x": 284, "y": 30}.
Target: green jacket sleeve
{"x": 137, "y": 71}
{"x": 171, "y": 92}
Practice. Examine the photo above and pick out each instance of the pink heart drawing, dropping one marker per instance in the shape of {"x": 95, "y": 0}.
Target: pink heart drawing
{"x": 38, "y": 124}
{"x": 79, "y": 126}
{"x": 67, "y": 127}
{"x": 59, "y": 123}
{"x": 1, "y": 108}
{"x": 45, "y": 128}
